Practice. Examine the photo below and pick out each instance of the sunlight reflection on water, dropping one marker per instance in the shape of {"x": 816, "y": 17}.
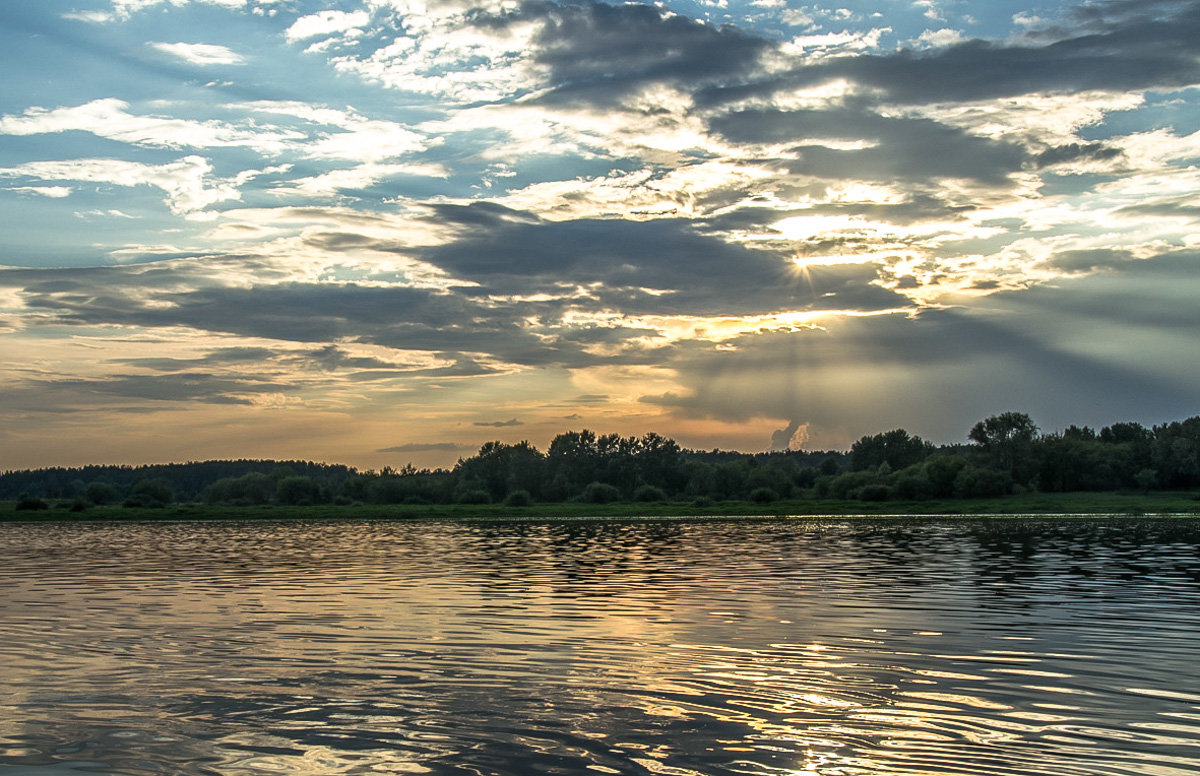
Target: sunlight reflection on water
{"x": 802, "y": 646}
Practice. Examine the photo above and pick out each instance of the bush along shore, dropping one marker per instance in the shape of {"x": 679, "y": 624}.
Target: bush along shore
{"x": 1007, "y": 465}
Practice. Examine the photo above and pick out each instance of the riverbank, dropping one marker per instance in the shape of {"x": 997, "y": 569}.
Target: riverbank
{"x": 1028, "y": 503}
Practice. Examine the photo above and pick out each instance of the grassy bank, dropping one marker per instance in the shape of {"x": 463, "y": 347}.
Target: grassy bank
{"x": 1028, "y": 503}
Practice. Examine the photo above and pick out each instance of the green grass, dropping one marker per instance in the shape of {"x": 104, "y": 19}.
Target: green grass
{"x": 1028, "y": 503}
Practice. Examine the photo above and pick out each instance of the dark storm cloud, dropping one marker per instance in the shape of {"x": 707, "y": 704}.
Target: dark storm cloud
{"x": 1089, "y": 260}
{"x": 297, "y": 312}
{"x": 367, "y": 368}
{"x": 903, "y": 148}
{"x": 219, "y": 357}
{"x": 331, "y": 357}
{"x": 426, "y": 447}
{"x": 452, "y": 324}
{"x": 915, "y": 207}
{"x": 328, "y": 359}
{"x": 481, "y": 214}
{"x": 599, "y": 52}
{"x": 1077, "y": 152}
{"x": 183, "y": 386}
{"x": 462, "y": 366}
{"x": 1181, "y": 207}
{"x": 687, "y": 272}
{"x": 1113, "y": 46}
{"x": 583, "y": 266}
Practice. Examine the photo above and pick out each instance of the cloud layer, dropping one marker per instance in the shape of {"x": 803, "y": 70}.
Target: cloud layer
{"x": 413, "y": 220}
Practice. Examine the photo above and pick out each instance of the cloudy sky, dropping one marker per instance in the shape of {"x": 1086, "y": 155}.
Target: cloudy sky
{"x": 380, "y": 231}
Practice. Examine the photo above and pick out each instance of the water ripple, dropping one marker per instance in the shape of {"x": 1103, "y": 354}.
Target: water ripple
{"x": 802, "y": 646}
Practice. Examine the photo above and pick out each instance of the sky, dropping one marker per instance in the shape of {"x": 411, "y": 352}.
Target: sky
{"x": 376, "y": 232}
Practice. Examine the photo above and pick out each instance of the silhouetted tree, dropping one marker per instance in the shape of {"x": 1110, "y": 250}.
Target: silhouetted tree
{"x": 895, "y": 448}
{"x": 1007, "y": 439}
{"x": 296, "y": 491}
{"x": 154, "y": 492}
{"x": 101, "y": 493}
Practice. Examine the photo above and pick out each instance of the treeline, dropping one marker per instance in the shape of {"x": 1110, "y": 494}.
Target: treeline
{"x": 1005, "y": 454}
{"x": 163, "y": 483}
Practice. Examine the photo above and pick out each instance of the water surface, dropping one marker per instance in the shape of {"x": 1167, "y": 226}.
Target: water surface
{"x": 800, "y": 646}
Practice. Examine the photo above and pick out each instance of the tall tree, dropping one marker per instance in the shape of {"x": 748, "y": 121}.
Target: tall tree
{"x": 1007, "y": 438}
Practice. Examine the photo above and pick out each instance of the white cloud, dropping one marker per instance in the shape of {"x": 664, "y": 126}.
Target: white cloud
{"x": 54, "y": 192}
{"x": 201, "y": 53}
{"x": 833, "y": 43}
{"x": 95, "y": 17}
{"x": 362, "y": 139}
{"x": 929, "y": 9}
{"x": 1028, "y": 20}
{"x": 109, "y": 118}
{"x": 1049, "y": 119}
{"x": 125, "y": 8}
{"x": 326, "y": 23}
{"x": 368, "y": 140}
{"x": 794, "y": 17}
{"x": 444, "y": 54}
{"x": 187, "y": 182}
{"x": 301, "y": 110}
{"x": 1160, "y": 148}
{"x": 938, "y": 38}
{"x": 639, "y": 195}
{"x": 360, "y": 177}
{"x": 110, "y": 213}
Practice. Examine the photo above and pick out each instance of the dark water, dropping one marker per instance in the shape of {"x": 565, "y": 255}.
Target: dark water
{"x": 804, "y": 646}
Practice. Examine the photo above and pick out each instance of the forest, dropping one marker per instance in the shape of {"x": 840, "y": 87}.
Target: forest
{"x": 1004, "y": 454}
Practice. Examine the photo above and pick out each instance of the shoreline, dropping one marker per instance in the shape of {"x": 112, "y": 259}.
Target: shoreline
{"x": 1082, "y": 504}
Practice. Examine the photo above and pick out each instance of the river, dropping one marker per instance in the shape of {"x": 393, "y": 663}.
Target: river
{"x": 802, "y": 646}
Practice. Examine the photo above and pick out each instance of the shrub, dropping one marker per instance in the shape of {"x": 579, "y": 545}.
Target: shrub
{"x": 912, "y": 487}
{"x": 296, "y": 491}
{"x": 252, "y": 488}
{"x": 475, "y": 496}
{"x": 26, "y": 501}
{"x": 387, "y": 490}
{"x": 876, "y": 492}
{"x": 763, "y": 495}
{"x": 150, "y": 493}
{"x": 849, "y": 484}
{"x": 219, "y": 492}
{"x": 649, "y": 493}
{"x": 702, "y": 501}
{"x": 600, "y": 493}
{"x": 940, "y": 472}
{"x": 973, "y": 482}
{"x": 518, "y": 498}
{"x": 101, "y": 493}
